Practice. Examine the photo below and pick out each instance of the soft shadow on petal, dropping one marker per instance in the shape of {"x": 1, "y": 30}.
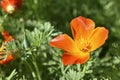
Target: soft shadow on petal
{"x": 84, "y": 58}
{"x": 98, "y": 37}
{"x": 64, "y": 42}
{"x": 69, "y": 59}
{"x": 81, "y": 27}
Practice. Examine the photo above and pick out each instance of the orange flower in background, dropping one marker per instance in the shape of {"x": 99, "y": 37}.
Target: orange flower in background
{"x": 5, "y": 57}
{"x": 86, "y": 38}
{"x": 7, "y": 36}
{"x": 10, "y": 6}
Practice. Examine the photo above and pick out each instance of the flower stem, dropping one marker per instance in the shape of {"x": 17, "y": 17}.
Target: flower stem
{"x": 36, "y": 68}
{"x": 31, "y": 69}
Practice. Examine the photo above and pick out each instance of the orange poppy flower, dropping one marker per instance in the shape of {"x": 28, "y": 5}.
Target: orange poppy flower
{"x": 10, "y": 6}
{"x": 5, "y": 57}
{"x": 86, "y": 38}
{"x": 7, "y": 36}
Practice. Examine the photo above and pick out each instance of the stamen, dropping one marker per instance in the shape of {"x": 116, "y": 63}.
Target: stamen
{"x": 10, "y": 9}
{"x": 86, "y": 49}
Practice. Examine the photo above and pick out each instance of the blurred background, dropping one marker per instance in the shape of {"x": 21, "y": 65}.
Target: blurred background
{"x": 59, "y": 13}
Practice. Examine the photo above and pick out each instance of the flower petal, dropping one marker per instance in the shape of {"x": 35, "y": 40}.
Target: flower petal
{"x": 98, "y": 37}
{"x": 7, "y": 60}
{"x": 83, "y": 59}
{"x": 68, "y": 59}
{"x": 64, "y": 42}
{"x": 8, "y": 5}
{"x": 7, "y": 36}
{"x": 81, "y": 27}
{"x": 79, "y": 58}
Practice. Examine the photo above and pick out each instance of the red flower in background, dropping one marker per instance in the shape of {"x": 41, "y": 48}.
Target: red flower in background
{"x": 7, "y": 36}
{"x": 86, "y": 38}
{"x": 5, "y": 57}
{"x": 10, "y": 6}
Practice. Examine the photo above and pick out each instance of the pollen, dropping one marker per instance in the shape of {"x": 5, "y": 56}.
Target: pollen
{"x": 84, "y": 45}
{"x": 86, "y": 49}
{"x": 10, "y": 9}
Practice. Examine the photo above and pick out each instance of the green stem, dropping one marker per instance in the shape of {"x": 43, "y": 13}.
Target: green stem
{"x": 36, "y": 68}
{"x": 3, "y": 19}
{"x": 2, "y": 76}
{"x": 31, "y": 69}
{"x": 83, "y": 71}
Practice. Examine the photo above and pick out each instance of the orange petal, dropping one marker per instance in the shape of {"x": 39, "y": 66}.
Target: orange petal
{"x": 8, "y": 59}
{"x": 13, "y": 3}
{"x": 64, "y": 42}
{"x": 81, "y": 27}
{"x": 6, "y": 36}
{"x": 5, "y": 33}
{"x": 98, "y": 37}
{"x": 83, "y": 59}
{"x": 68, "y": 58}
{"x": 79, "y": 58}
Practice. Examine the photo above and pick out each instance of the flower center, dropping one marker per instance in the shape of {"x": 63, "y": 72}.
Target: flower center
{"x": 10, "y": 9}
{"x": 86, "y": 49}
{"x": 84, "y": 45}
